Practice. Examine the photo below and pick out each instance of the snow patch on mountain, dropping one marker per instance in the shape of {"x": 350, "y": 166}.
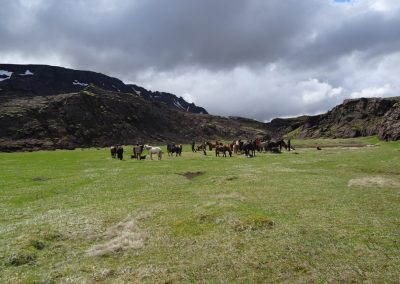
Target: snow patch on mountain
{"x": 27, "y": 73}
{"x": 5, "y": 73}
{"x": 76, "y": 82}
{"x": 178, "y": 105}
{"x": 136, "y": 91}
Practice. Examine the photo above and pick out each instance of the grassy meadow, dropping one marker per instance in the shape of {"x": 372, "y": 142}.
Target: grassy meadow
{"x": 306, "y": 216}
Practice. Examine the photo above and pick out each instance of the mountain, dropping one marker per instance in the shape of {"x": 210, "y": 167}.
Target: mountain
{"x": 167, "y": 98}
{"x": 44, "y": 80}
{"x": 97, "y": 117}
{"x": 352, "y": 118}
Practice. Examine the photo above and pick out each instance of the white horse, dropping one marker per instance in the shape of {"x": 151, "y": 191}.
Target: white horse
{"x": 154, "y": 150}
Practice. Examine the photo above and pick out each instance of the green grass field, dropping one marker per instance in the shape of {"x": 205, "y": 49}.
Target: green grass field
{"x": 299, "y": 217}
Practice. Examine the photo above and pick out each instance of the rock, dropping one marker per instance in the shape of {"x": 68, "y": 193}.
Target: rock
{"x": 389, "y": 127}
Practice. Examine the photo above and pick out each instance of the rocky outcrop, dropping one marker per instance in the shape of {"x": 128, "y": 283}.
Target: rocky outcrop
{"x": 389, "y": 127}
{"x": 97, "y": 117}
{"x": 353, "y": 118}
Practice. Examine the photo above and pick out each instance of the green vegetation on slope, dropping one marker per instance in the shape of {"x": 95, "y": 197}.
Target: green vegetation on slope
{"x": 304, "y": 216}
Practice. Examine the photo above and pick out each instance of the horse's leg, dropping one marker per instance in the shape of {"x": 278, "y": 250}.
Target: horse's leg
{"x": 151, "y": 155}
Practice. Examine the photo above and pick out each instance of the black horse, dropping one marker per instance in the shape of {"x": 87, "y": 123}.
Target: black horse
{"x": 250, "y": 148}
{"x": 275, "y": 147}
{"x": 173, "y": 149}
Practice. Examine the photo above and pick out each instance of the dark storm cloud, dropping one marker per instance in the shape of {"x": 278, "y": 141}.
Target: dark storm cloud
{"x": 159, "y": 34}
{"x": 309, "y": 54}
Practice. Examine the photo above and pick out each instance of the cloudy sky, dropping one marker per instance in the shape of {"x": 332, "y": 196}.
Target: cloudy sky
{"x": 256, "y": 58}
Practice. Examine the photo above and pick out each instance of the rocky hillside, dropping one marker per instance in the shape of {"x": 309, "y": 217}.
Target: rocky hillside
{"x": 44, "y": 107}
{"x": 97, "y": 117}
{"x": 353, "y": 118}
{"x": 42, "y": 80}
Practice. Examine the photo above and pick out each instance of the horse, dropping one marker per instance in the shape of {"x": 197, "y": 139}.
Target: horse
{"x": 211, "y": 145}
{"x": 262, "y": 146}
{"x": 249, "y": 148}
{"x": 113, "y": 151}
{"x": 276, "y": 147}
{"x": 236, "y": 146}
{"x": 154, "y": 150}
{"x": 223, "y": 149}
{"x": 171, "y": 149}
{"x": 137, "y": 151}
{"x": 258, "y": 144}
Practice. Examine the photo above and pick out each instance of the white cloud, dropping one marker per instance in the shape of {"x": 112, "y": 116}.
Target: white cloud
{"x": 381, "y": 91}
{"x": 313, "y": 91}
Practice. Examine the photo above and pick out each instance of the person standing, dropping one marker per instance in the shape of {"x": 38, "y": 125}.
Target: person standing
{"x": 193, "y": 145}
{"x": 288, "y": 144}
{"x": 204, "y": 145}
{"x": 120, "y": 152}
{"x": 113, "y": 150}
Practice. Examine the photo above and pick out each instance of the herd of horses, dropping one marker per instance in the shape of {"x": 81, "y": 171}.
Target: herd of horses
{"x": 248, "y": 148}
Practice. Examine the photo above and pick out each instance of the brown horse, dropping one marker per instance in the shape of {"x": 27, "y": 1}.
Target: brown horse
{"x": 223, "y": 148}
{"x": 212, "y": 145}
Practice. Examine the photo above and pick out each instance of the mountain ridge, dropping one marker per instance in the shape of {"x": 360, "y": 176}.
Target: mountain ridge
{"x": 353, "y": 118}
{"x": 45, "y": 80}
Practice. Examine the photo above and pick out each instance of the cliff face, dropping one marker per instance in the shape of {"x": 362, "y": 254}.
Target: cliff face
{"x": 97, "y": 117}
{"x": 22, "y": 81}
{"x": 353, "y": 118}
{"x": 389, "y": 126}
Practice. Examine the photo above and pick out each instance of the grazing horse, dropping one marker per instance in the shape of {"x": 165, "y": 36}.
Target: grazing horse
{"x": 223, "y": 148}
{"x": 154, "y": 150}
{"x": 275, "y": 147}
{"x": 171, "y": 149}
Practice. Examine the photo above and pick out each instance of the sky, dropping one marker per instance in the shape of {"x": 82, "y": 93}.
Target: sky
{"x": 255, "y": 58}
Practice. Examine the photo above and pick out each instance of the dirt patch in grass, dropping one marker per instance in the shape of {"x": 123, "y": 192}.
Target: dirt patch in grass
{"x": 121, "y": 237}
{"x": 40, "y": 179}
{"x": 37, "y": 244}
{"x": 191, "y": 175}
{"x": 232, "y": 178}
{"x": 233, "y": 195}
{"x": 22, "y": 258}
{"x": 376, "y": 181}
{"x": 253, "y": 224}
